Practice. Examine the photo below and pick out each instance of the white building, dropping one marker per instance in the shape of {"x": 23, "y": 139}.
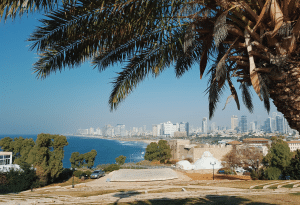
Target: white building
{"x": 6, "y": 162}
{"x": 294, "y": 145}
{"x": 169, "y": 128}
{"x": 204, "y": 125}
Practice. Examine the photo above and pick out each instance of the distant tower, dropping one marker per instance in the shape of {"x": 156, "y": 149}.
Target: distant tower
{"x": 234, "y": 122}
{"x": 244, "y": 124}
{"x": 204, "y": 125}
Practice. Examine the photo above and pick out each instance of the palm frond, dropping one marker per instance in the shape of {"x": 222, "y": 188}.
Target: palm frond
{"x": 246, "y": 95}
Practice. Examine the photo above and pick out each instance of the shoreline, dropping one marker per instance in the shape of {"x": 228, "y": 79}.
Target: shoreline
{"x": 127, "y": 139}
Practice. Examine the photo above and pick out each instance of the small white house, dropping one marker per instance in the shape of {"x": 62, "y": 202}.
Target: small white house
{"x": 6, "y": 162}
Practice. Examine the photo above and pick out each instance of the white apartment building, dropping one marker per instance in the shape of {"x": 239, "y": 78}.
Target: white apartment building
{"x": 169, "y": 128}
{"x": 294, "y": 145}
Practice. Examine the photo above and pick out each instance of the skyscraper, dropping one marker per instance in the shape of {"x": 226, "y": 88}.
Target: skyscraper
{"x": 244, "y": 124}
{"x": 279, "y": 123}
{"x": 234, "y": 122}
{"x": 204, "y": 125}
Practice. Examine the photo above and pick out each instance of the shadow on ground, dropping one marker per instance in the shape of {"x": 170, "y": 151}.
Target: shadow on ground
{"x": 209, "y": 199}
{"x": 125, "y": 194}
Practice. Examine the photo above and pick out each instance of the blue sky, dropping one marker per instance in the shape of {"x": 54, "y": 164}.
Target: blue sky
{"x": 78, "y": 98}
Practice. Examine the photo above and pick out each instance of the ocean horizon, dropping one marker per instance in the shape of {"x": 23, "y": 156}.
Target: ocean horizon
{"x": 107, "y": 149}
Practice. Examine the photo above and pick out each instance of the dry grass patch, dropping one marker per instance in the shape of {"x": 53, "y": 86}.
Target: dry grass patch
{"x": 198, "y": 176}
{"x": 232, "y": 184}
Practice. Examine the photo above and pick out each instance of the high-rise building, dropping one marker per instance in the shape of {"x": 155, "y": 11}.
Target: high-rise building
{"x": 91, "y": 131}
{"x": 234, "y": 122}
{"x": 279, "y": 124}
{"x": 120, "y": 130}
{"x": 244, "y": 124}
{"x": 155, "y": 130}
{"x": 169, "y": 128}
{"x": 213, "y": 126}
{"x": 108, "y": 130}
{"x": 252, "y": 127}
{"x": 98, "y": 131}
{"x": 268, "y": 125}
{"x": 184, "y": 127}
{"x": 204, "y": 125}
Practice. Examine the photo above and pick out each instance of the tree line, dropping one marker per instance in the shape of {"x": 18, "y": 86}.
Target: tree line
{"x": 279, "y": 163}
{"x": 40, "y": 161}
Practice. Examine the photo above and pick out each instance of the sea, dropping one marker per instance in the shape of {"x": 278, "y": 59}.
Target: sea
{"x": 107, "y": 150}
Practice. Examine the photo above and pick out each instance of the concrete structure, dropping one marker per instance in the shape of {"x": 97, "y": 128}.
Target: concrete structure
{"x": 182, "y": 149}
{"x": 174, "y": 145}
{"x": 260, "y": 143}
{"x": 142, "y": 175}
{"x": 6, "y": 162}
{"x": 294, "y": 145}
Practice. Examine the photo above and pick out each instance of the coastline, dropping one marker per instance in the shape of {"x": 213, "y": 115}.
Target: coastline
{"x": 132, "y": 139}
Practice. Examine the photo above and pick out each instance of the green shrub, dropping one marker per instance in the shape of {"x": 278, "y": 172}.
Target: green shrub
{"x": 88, "y": 173}
{"x": 272, "y": 173}
{"x": 78, "y": 173}
{"x": 65, "y": 175}
{"x": 18, "y": 180}
{"x": 111, "y": 168}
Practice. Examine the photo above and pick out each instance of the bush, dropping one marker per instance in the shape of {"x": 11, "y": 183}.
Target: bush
{"x": 272, "y": 173}
{"x": 111, "y": 168}
{"x": 257, "y": 175}
{"x": 78, "y": 173}
{"x": 18, "y": 180}
{"x": 65, "y": 175}
{"x": 88, "y": 173}
{"x": 227, "y": 171}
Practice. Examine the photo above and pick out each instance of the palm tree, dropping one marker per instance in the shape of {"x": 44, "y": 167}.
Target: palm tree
{"x": 252, "y": 42}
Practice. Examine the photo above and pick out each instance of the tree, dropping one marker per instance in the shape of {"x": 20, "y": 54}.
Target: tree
{"x": 293, "y": 170}
{"x": 76, "y": 160}
{"x": 20, "y": 148}
{"x": 254, "y": 43}
{"x": 279, "y": 157}
{"x": 87, "y": 159}
{"x": 164, "y": 151}
{"x": 242, "y": 156}
{"x": 120, "y": 160}
{"x": 158, "y": 151}
{"x": 151, "y": 152}
{"x": 46, "y": 154}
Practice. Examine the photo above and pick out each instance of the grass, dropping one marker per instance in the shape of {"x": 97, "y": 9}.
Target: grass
{"x": 273, "y": 187}
{"x": 258, "y": 187}
{"x": 288, "y": 186}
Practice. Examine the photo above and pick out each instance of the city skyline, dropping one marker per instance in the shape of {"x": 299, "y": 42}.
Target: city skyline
{"x": 275, "y": 124}
{"x": 75, "y": 98}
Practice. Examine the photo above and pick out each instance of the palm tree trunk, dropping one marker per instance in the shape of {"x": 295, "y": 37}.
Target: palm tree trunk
{"x": 285, "y": 91}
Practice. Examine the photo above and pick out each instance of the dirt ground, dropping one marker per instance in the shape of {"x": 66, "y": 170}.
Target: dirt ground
{"x": 186, "y": 186}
